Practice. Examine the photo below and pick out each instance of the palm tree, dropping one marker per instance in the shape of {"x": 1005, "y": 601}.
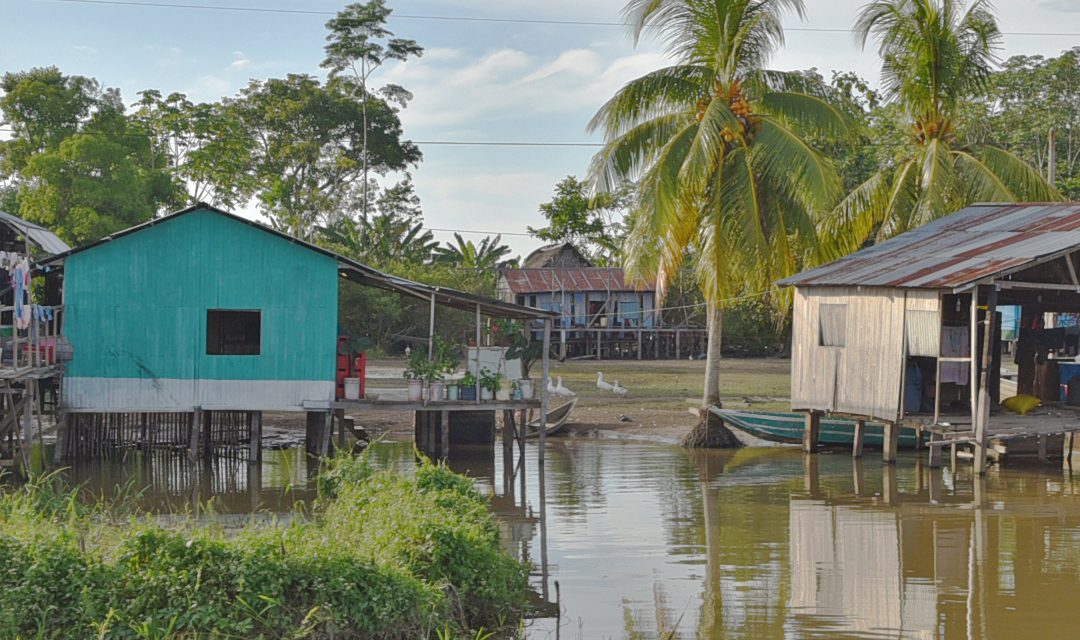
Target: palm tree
{"x": 935, "y": 54}
{"x": 486, "y": 256}
{"x": 715, "y": 143}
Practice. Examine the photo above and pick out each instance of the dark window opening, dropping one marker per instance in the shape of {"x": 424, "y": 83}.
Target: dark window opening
{"x": 233, "y": 333}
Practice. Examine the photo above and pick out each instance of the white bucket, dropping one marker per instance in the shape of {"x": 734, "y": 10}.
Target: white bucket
{"x": 352, "y": 388}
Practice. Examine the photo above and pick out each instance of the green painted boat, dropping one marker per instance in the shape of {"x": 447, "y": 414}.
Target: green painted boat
{"x": 787, "y": 428}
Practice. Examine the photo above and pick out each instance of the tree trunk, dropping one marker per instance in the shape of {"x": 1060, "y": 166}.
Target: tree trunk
{"x": 711, "y": 395}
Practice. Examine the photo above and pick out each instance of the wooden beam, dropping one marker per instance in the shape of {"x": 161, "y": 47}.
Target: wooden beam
{"x": 982, "y": 424}
{"x": 544, "y": 376}
{"x": 857, "y": 441}
{"x": 444, "y": 422}
{"x": 811, "y": 431}
{"x": 1041, "y": 286}
{"x": 890, "y": 442}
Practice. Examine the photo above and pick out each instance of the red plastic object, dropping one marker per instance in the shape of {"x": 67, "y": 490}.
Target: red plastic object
{"x": 349, "y": 365}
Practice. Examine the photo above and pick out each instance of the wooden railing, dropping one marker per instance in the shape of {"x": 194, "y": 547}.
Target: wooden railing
{"x": 38, "y": 345}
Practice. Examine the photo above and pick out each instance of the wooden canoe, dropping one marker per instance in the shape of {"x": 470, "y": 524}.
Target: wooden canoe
{"x": 787, "y": 428}
{"x": 556, "y": 420}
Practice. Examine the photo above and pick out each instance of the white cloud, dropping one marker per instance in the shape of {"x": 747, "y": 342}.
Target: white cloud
{"x": 1066, "y": 6}
{"x": 454, "y": 89}
{"x": 240, "y": 60}
{"x": 84, "y": 49}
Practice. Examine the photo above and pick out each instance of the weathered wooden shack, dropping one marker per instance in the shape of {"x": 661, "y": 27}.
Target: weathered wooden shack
{"x": 187, "y": 327}
{"x": 897, "y": 332}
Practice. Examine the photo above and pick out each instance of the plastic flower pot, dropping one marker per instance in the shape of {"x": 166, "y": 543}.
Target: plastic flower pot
{"x": 527, "y": 390}
{"x": 437, "y": 391}
{"x": 416, "y": 390}
{"x": 467, "y": 393}
{"x": 453, "y": 392}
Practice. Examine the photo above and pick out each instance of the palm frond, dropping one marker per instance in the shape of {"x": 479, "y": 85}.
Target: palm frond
{"x": 783, "y": 156}
{"x": 810, "y": 114}
{"x": 1023, "y": 180}
{"x": 658, "y": 93}
{"x": 852, "y": 222}
{"x": 625, "y": 157}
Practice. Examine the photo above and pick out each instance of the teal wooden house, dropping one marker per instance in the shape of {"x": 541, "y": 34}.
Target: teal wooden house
{"x": 200, "y": 309}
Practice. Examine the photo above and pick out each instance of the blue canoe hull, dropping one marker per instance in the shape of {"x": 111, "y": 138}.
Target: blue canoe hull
{"x": 788, "y": 428}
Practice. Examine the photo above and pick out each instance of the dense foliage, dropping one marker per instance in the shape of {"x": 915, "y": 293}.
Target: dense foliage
{"x": 380, "y": 556}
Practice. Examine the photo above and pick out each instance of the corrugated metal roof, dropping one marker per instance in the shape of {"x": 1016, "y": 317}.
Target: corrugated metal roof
{"x": 972, "y": 244}
{"x": 48, "y": 241}
{"x": 347, "y": 267}
{"x": 580, "y": 279}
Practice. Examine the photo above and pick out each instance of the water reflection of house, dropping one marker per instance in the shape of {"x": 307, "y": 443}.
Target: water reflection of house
{"x": 601, "y": 311}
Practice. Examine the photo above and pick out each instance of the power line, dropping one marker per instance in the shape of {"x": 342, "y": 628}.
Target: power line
{"x": 483, "y": 19}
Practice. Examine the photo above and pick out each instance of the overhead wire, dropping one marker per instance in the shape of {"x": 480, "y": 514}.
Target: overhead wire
{"x": 449, "y": 18}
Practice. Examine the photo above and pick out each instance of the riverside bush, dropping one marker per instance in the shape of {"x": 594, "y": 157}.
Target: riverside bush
{"x": 381, "y": 555}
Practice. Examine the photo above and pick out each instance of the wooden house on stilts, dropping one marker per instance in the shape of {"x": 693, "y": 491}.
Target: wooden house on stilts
{"x": 186, "y": 328}
{"x": 907, "y": 332}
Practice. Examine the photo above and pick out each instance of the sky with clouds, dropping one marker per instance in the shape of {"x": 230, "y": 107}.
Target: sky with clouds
{"x": 477, "y": 81}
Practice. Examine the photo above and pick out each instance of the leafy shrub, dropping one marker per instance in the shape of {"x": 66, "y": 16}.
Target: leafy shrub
{"x": 383, "y": 556}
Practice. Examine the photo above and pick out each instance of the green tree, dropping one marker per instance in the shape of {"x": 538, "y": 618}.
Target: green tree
{"x": 307, "y": 146}
{"x": 714, "y": 143}
{"x": 1029, "y": 97}
{"x": 936, "y": 54}
{"x": 204, "y": 146}
{"x": 392, "y": 234}
{"x": 360, "y": 43}
{"x": 483, "y": 257}
{"x": 76, "y": 163}
{"x": 594, "y": 225}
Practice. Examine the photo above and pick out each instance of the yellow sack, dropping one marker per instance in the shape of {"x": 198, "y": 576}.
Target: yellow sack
{"x": 1021, "y": 404}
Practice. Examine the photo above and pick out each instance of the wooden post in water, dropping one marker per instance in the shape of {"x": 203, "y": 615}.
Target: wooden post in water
{"x": 546, "y": 373}
{"x": 444, "y": 418}
{"x": 982, "y": 439}
{"x": 857, "y": 443}
{"x": 933, "y": 456}
{"x": 255, "y": 442}
{"x": 195, "y": 424}
{"x": 890, "y": 441}
{"x": 811, "y": 432}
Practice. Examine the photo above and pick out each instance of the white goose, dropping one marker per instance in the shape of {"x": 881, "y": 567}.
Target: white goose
{"x": 562, "y": 391}
{"x": 600, "y": 384}
{"x": 617, "y": 390}
{"x": 551, "y": 386}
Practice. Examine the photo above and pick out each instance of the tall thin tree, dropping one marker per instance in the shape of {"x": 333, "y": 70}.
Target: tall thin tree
{"x": 360, "y": 43}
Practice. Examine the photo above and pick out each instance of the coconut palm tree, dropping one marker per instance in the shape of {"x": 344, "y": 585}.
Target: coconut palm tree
{"x": 935, "y": 54}
{"x": 715, "y": 143}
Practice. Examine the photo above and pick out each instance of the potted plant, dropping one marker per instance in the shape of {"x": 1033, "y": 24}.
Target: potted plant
{"x": 416, "y": 373}
{"x": 467, "y": 390}
{"x": 489, "y": 384}
{"x": 525, "y": 350}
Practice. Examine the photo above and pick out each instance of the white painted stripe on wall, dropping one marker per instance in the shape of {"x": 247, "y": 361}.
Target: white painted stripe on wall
{"x": 170, "y": 394}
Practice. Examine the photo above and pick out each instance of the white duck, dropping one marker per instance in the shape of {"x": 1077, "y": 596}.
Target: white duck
{"x": 617, "y": 390}
{"x": 562, "y": 391}
{"x": 551, "y": 386}
{"x": 600, "y": 384}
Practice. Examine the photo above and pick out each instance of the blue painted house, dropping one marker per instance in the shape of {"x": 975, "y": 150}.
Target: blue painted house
{"x": 200, "y": 308}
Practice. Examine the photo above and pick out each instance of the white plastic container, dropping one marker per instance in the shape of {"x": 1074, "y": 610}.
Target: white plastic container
{"x": 352, "y": 388}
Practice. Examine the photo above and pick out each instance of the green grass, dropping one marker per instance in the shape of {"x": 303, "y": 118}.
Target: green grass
{"x": 380, "y": 555}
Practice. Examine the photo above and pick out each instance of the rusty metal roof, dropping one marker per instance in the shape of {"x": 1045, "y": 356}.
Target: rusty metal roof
{"x": 979, "y": 242}
{"x": 569, "y": 279}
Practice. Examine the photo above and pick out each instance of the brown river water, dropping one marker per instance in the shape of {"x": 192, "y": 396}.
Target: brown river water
{"x": 651, "y": 541}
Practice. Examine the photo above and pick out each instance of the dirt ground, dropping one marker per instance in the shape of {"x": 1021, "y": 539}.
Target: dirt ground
{"x": 656, "y": 407}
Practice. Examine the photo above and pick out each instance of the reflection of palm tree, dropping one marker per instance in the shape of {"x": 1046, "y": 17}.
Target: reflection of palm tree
{"x": 740, "y": 539}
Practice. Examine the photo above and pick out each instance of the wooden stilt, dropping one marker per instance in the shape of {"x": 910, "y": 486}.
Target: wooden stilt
{"x": 1041, "y": 441}
{"x": 857, "y": 443}
{"x": 857, "y": 475}
{"x": 195, "y": 427}
{"x": 445, "y": 424}
{"x": 982, "y": 439}
{"x": 255, "y": 442}
{"x": 890, "y": 442}
{"x": 811, "y": 431}
{"x": 933, "y": 456}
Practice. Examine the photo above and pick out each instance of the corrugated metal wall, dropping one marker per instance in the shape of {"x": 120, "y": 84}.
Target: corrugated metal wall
{"x": 863, "y": 377}
{"x": 136, "y": 306}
